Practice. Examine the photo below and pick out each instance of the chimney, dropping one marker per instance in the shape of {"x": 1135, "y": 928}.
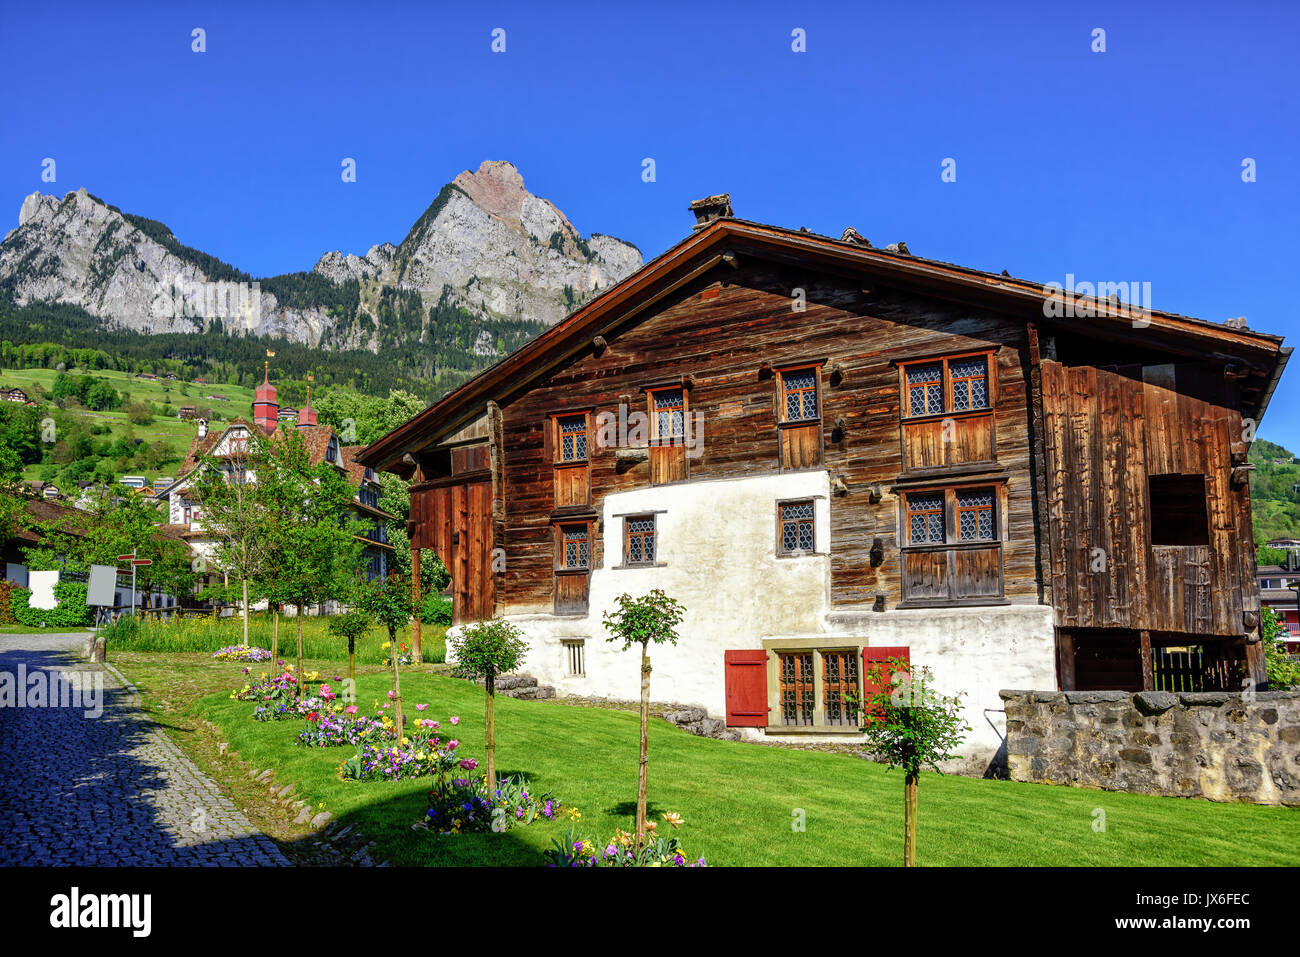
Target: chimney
{"x": 266, "y": 410}
{"x": 709, "y": 208}
{"x": 203, "y": 428}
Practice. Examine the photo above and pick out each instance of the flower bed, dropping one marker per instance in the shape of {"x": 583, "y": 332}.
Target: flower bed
{"x": 620, "y": 850}
{"x": 463, "y": 805}
{"x": 328, "y": 729}
{"x": 241, "y": 653}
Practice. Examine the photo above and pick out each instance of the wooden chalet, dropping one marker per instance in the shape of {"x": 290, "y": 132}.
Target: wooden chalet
{"x": 833, "y": 454}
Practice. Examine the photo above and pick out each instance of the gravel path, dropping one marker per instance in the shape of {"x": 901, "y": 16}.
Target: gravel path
{"x": 81, "y": 789}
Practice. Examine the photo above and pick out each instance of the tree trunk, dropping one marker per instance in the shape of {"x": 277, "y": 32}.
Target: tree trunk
{"x": 645, "y": 748}
{"x": 490, "y": 726}
{"x": 301, "y": 680}
{"x": 245, "y": 583}
{"x": 909, "y": 820}
{"x": 275, "y": 640}
{"x": 397, "y": 685}
{"x": 415, "y": 598}
{"x": 352, "y": 663}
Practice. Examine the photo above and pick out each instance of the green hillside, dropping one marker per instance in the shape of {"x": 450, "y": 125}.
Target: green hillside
{"x": 1274, "y": 497}
{"x": 108, "y": 435}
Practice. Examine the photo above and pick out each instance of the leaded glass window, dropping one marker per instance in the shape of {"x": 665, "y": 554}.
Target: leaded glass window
{"x": 670, "y": 414}
{"x": 975, "y": 515}
{"x": 797, "y": 523}
{"x": 800, "y": 390}
{"x": 925, "y": 389}
{"x": 969, "y": 383}
{"x": 576, "y": 546}
{"x": 573, "y": 438}
{"x": 640, "y": 535}
{"x": 925, "y": 518}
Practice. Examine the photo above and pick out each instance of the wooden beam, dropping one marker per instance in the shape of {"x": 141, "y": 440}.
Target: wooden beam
{"x": 1148, "y": 673}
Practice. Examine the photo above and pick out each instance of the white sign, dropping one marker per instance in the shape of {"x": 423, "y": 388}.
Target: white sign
{"x": 42, "y": 586}
{"x": 103, "y": 585}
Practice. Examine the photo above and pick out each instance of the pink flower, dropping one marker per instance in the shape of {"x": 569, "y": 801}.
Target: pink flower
{"x": 351, "y": 709}
{"x": 455, "y": 720}
{"x": 421, "y": 707}
{"x": 453, "y": 744}
{"x": 469, "y": 764}
{"x": 391, "y": 695}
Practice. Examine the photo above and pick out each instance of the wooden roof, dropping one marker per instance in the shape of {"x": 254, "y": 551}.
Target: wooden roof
{"x": 724, "y": 242}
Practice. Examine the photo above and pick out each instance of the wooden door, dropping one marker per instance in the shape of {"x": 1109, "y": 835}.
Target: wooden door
{"x": 454, "y": 519}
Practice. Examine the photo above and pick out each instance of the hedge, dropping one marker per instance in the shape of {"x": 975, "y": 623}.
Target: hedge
{"x": 70, "y": 612}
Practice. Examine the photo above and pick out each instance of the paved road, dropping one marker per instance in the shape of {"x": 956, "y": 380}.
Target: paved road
{"x": 111, "y": 789}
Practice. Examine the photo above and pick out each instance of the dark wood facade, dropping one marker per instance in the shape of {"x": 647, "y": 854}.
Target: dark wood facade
{"x": 939, "y": 499}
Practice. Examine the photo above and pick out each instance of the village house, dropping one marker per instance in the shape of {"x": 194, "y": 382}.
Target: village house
{"x": 226, "y": 449}
{"x": 14, "y": 395}
{"x": 833, "y": 455}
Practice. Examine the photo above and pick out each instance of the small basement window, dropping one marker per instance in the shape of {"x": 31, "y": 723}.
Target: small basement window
{"x": 1178, "y": 513}
{"x": 573, "y": 648}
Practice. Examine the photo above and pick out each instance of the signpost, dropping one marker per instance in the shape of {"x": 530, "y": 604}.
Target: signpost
{"x": 134, "y": 562}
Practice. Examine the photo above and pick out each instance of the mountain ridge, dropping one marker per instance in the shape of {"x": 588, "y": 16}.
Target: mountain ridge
{"x": 483, "y": 268}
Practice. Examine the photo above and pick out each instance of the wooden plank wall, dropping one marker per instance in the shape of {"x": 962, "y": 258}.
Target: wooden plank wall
{"x": 1106, "y": 432}
{"x": 721, "y": 342}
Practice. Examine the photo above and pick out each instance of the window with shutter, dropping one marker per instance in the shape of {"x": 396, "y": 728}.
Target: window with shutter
{"x": 880, "y": 666}
{"x": 639, "y": 540}
{"x": 798, "y": 690}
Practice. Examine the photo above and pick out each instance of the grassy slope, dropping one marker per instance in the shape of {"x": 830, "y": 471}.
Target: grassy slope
{"x": 177, "y": 434}
{"x": 738, "y": 800}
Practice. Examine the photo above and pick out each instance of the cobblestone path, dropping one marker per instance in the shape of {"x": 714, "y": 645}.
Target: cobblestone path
{"x": 81, "y": 789}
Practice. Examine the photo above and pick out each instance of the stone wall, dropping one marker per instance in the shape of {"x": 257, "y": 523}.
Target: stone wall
{"x": 1214, "y": 745}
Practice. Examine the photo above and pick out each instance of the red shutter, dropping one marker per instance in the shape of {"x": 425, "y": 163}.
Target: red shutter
{"x": 746, "y": 673}
{"x": 879, "y": 655}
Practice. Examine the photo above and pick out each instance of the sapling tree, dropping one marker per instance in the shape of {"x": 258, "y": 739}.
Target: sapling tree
{"x": 642, "y": 620}
{"x": 351, "y": 625}
{"x": 910, "y": 726}
{"x": 485, "y": 650}
{"x": 389, "y": 603}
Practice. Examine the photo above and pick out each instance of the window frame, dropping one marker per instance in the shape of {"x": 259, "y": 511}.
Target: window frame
{"x": 945, "y": 379}
{"x": 653, "y": 518}
{"x": 781, "y": 550}
{"x": 951, "y": 513}
{"x": 653, "y": 391}
{"x": 782, "y": 404}
{"x": 561, "y": 552}
{"x": 818, "y": 647}
{"x": 557, "y": 456}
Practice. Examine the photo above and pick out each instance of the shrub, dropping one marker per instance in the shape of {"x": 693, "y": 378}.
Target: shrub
{"x": 6, "y": 609}
{"x": 435, "y": 610}
{"x": 71, "y": 611}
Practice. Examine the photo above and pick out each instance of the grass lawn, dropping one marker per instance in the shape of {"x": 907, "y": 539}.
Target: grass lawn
{"x": 205, "y": 633}
{"x": 739, "y": 800}
{"x": 31, "y": 630}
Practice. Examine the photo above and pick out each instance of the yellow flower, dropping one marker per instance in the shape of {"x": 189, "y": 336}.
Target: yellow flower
{"x": 385, "y": 646}
{"x": 673, "y": 818}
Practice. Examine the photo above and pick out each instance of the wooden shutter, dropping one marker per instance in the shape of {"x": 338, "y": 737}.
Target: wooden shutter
{"x": 871, "y": 657}
{"x": 746, "y": 678}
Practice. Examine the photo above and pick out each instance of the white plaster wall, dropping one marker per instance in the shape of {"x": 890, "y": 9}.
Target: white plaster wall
{"x": 717, "y": 544}
{"x": 974, "y": 652}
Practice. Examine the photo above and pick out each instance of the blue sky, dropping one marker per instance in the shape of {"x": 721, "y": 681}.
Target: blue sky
{"x": 1122, "y": 165}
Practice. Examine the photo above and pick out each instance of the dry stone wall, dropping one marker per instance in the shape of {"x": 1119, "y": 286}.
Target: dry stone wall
{"x": 1219, "y": 746}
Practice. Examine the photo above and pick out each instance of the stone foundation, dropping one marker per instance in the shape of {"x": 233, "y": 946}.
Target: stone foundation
{"x": 1213, "y": 745}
